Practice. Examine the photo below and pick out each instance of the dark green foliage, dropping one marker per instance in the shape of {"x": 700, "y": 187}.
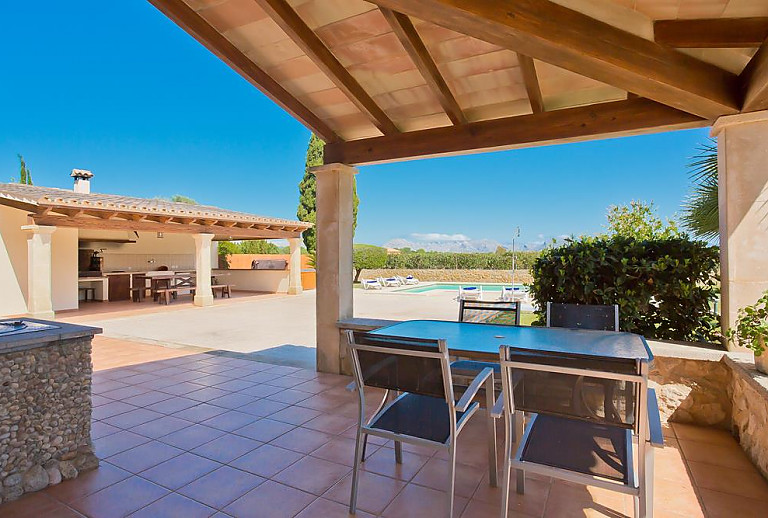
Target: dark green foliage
{"x": 368, "y": 257}
{"x": 664, "y": 287}
{"x": 25, "y": 175}
{"x": 700, "y": 209}
{"x": 256, "y": 246}
{"x": 459, "y": 261}
{"x": 308, "y": 192}
{"x": 639, "y": 220}
{"x": 180, "y": 198}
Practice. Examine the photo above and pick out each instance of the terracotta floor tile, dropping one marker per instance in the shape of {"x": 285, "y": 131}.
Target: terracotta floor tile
{"x": 173, "y": 405}
{"x": 722, "y": 505}
{"x": 383, "y": 463}
{"x": 567, "y": 499}
{"x": 88, "y": 483}
{"x": 192, "y": 436}
{"x": 341, "y": 450}
{"x": 111, "y": 409}
{"x": 677, "y": 497}
{"x": 330, "y": 509}
{"x": 725, "y": 455}
{"x": 285, "y": 381}
{"x": 746, "y": 483}
{"x": 436, "y": 475}
{"x": 273, "y": 500}
{"x": 148, "y": 398}
{"x": 162, "y": 426}
{"x": 233, "y": 400}
{"x": 125, "y": 392}
{"x": 145, "y": 456}
{"x": 262, "y": 407}
{"x": 235, "y": 384}
{"x": 260, "y": 377}
{"x": 375, "y": 492}
{"x": 100, "y": 429}
{"x": 266, "y": 460}
{"x": 330, "y": 423}
{"x": 172, "y": 506}
{"x": 417, "y": 501}
{"x": 289, "y": 396}
{"x": 120, "y": 499}
{"x": 221, "y": 487}
{"x": 200, "y": 412}
{"x": 295, "y": 415}
{"x": 265, "y": 430}
{"x": 532, "y": 502}
{"x": 261, "y": 391}
{"x": 312, "y": 475}
{"x": 230, "y": 420}
{"x": 212, "y": 380}
{"x": 180, "y": 471}
{"x": 702, "y": 434}
{"x": 227, "y": 448}
{"x": 133, "y": 418}
{"x": 117, "y": 442}
{"x": 670, "y": 464}
{"x": 36, "y": 505}
{"x": 205, "y": 394}
{"x": 302, "y": 440}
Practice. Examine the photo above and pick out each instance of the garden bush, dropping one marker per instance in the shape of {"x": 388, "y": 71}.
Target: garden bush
{"x": 664, "y": 287}
{"x": 459, "y": 261}
{"x": 368, "y": 257}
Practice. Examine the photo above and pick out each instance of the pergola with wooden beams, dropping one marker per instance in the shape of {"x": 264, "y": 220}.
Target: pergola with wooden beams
{"x": 390, "y": 80}
{"x": 62, "y": 208}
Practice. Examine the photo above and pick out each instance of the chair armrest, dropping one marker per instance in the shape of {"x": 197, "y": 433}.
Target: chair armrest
{"x": 654, "y": 420}
{"x": 473, "y": 388}
{"x": 498, "y": 408}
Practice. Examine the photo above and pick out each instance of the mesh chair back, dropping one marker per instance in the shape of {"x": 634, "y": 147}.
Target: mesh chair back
{"x": 505, "y": 313}
{"x": 412, "y": 365}
{"x": 578, "y": 394}
{"x": 583, "y": 316}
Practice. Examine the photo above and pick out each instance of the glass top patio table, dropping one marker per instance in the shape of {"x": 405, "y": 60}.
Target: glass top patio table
{"x": 482, "y": 341}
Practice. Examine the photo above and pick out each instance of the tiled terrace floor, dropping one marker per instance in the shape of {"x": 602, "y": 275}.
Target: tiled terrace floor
{"x": 190, "y": 434}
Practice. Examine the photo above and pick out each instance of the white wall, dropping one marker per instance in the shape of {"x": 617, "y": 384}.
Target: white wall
{"x": 271, "y": 281}
{"x": 64, "y": 268}
{"x": 177, "y": 251}
{"x": 13, "y": 262}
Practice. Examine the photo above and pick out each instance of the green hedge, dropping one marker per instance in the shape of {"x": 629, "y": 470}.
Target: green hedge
{"x": 459, "y": 261}
{"x": 665, "y": 288}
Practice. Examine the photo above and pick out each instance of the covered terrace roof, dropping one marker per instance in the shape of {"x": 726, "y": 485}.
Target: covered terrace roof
{"x": 65, "y": 208}
{"x": 394, "y": 79}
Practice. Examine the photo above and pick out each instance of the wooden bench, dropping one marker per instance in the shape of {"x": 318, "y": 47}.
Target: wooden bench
{"x": 138, "y": 293}
{"x": 164, "y": 294}
{"x": 223, "y": 288}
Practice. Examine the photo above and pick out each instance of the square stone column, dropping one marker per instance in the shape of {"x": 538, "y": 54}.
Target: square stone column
{"x": 334, "y": 227}
{"x": 203, "y": 292}
{"x": 294, "y": 267}
{"x": 39, "y": 276}
{"x": 742, "y": 148}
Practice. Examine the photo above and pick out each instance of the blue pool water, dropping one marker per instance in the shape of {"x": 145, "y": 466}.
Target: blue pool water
{"x": 455, "y": 287}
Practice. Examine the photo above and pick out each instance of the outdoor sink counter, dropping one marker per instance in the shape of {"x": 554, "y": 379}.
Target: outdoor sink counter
{"x": 45, "y": 404}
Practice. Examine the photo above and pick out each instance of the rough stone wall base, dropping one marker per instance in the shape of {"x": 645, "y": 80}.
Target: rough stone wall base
{"x": 521, "y": 276}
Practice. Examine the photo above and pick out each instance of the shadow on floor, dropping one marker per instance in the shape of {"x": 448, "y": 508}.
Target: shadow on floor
{"x": 288, "y": 354}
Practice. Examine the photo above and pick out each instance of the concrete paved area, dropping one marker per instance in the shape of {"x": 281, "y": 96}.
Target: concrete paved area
{"x": 278, "y": 329}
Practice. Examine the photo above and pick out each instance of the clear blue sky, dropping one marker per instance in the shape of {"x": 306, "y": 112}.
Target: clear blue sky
{"x": 117, "y": 88}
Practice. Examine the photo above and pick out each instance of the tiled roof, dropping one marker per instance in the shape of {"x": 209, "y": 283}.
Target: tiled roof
{"x": 45, "y": 197}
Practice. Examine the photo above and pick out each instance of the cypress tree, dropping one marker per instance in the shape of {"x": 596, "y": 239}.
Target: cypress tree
{"x": 25, "y": 175}
{"x": 308, "y": 192}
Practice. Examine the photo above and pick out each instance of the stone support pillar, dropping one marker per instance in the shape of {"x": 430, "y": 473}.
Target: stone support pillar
{"x": 203, "y": 292}
{"x": 742, "y": 144}
{"x": 294, "y": 268}
{"x": 39, "y": 276}
{"x": 334, "y": 227}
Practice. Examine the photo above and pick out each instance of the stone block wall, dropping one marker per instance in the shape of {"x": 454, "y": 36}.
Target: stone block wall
{"x": 501, "y": 276}
{"x": 45, "y": 416}
{"x": 748, "y": 391}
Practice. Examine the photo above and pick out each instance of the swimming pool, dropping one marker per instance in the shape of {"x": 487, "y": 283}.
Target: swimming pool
{"x": 455, "y": 287}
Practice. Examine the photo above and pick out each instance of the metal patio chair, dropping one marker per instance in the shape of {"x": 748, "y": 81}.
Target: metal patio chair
{"x": 563, "y": 439}
{"x": 425, "y": 413}
{"x": 583, "y": 316}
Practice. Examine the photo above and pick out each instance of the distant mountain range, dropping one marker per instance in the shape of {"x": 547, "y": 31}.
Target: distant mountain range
{"x": 463, "y": 246}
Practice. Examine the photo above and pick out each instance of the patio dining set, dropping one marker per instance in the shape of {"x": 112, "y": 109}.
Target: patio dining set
{"x": 165, "y": 287}
{"x": 573, "y": 395}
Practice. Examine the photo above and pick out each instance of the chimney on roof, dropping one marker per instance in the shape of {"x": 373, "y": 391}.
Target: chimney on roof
{"x": 82, "y": 180}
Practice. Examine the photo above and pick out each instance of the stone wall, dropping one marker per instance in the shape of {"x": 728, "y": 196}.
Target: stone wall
{"x": 502, "y": 276}
{"x": 748, "y": 391}
{"x": 45, "y": 416}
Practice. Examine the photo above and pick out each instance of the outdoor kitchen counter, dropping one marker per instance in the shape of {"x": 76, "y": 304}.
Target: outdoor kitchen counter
{"x": 57, "y": 332}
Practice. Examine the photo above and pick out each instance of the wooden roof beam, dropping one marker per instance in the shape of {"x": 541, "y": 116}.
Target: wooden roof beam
{"x": 609, "y": 119}
{"x": 414, "y": 46}
{"x": 754, "y": 81}
{"x": 566, "y": 38}
{"x": 292, "y": 24}
{"x": 716, "y": 33}
{"x": 202, "y": 31}
{"x": 531, "y": 80}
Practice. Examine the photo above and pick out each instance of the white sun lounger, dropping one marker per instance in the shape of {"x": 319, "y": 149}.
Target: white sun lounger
{"x": 408, "y": 280}
{"x": 371, "y": 284}
{"x": 389, "y": 282}
{"x": 470, "y": 292}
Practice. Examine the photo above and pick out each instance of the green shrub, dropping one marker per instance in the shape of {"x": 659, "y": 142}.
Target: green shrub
{"x": 664, "y": 287}
{"x": 459, "y": 261}
{"x": 368, "y": 257}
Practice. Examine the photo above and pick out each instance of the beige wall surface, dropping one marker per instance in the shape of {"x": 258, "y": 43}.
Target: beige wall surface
{"x": 64, "y": 269}
{"x": 271, "y": 281}
{"x": 13, "y": 262}
{"x": 177, "y": 251}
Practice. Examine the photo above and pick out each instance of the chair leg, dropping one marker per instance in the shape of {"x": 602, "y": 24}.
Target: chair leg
{"x": 452, "y": 485}
{"x": 505, "y": 476}
{"x": 491, "y": 424}
{"x": 398, "y": 452}
{"x": 365, "y": 446}
{"x": 518, "y": 423}
{"x": 359, "y": 445}
{"x": 645, "y": 499}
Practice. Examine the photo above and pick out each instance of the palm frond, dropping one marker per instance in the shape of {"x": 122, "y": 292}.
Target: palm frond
{"x": 700, "y": 208}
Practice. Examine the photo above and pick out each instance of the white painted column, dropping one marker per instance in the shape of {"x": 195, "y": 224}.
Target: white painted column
{"x": 742, "y": 145}
{"x": 294, "y": 267}
{"x": 39, "y": 271}
{"x": 203, "y": 292}
{"x": 335, "y": 187}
